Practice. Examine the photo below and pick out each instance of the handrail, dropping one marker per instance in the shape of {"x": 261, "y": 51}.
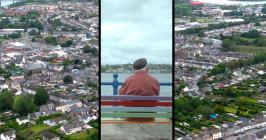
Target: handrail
{"x": 116, "y": 84}
{"x": 129, "y": 97}
{"x": 111, "y": 83}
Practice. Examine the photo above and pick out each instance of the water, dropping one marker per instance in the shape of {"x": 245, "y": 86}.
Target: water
{"x": 230, "y": 2}
{"x": 161, "y": 77}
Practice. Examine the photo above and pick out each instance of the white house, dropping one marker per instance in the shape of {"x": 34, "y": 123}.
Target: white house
{"x": 216, "y": 133}
{"x": 261, "y": 72}
{"x": 29, "y": 90}
{"x": 22, "y": 120}
{"x": 65, "y": 106}
{"x": 87, "y": 118}
{"x": 3, "y": 86}
{"x": 9, "y": 135}
{"x": 55, "y": 121}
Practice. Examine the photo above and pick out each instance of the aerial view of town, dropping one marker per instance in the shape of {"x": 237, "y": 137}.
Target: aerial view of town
{"x": 49, "y": 69}
{"x": 220, "y": 69}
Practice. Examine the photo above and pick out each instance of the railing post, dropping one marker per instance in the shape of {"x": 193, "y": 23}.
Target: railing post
{"x": 115, "y": 84}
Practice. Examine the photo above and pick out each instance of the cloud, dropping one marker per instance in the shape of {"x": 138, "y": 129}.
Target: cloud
{"x": 132, "y": 29}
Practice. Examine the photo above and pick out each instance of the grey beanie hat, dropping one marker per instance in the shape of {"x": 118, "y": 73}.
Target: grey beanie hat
{"x": 140, "y": 63}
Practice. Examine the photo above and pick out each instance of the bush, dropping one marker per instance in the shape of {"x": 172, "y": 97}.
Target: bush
{"x": 41, "y": 97}
{"x": 51, "y": 40}
{"x": 6, "y": 100}
{"x": 24, "y": 104}
{"x": 68, "y": 79}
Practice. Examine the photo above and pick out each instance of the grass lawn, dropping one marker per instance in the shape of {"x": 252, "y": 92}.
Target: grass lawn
{"x": 205, "y": 20}
{"x": 38, "y": 128}
{"x": 230, "y": 109}
{"x": 196, "y": 131}
{"x": 249, "y": 49}
{"x": 248, "y": 99}
{"x": 79, "y": 136}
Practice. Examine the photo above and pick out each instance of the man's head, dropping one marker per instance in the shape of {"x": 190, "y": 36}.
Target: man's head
{"x": 140, "y": 64}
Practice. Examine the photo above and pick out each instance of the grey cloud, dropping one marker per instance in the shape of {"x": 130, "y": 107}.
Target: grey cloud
{"x": 136, "y": 28}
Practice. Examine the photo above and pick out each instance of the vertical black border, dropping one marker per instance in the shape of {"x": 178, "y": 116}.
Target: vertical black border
{"x": 99, "y": 69}
{"x": 173, "y": 69}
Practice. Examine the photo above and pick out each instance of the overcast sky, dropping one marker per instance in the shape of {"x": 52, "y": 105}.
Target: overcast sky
{"x": 132, "y": 29}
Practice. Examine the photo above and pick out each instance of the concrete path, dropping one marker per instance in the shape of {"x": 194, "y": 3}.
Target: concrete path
{"x": 136, "y": 131}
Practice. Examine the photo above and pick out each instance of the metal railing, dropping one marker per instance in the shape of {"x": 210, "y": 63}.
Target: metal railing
{"x": 116, "y": 84}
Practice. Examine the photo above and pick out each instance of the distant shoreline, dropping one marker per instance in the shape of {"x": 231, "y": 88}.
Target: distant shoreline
{"x": 128, "y": 68}
{"x": 132, "y": 72}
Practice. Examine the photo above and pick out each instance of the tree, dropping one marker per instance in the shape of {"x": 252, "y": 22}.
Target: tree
{"x": 251, "y": 34}
{"x": 24, "y": 104}
{"x": 6, "y": 100}
{"x": 51, "y": 40}
{"x": 227, "y": 44}
{"x": 195, "y": 102}
{"x": 93, "y": 134}
{"x": 14, "y": 35}
{"x": 218, "y": 69}
{"x": 33, "y": 39}
{"x": 201, "y": 34}
{"x": 219, "y": 109}
{"x": 77, "y": 61}
{"x": 34, "y": 24}
{"x": 182, "y": 104}
{"x": 181, "y": 85}
{"x": 259, "y": 58}
{"x": 260, "y": 42}
{"x": 182, "y": 10}
{"x": 34, "y": 32}
{"x": 230, "y": 92}
{"x": 41, "y": 97}
{"x": 92, "y": 85}
{"x": 257, "y": 24}
{"x": 68, "y": 43}
{"x": 68, "y": 79}
{"x": 66, "y": 63}
{"x": 207, "y": 101}
{"x": 263, "y": 10}
{"x": 5, "y": 73}
{"x": 204, "y": 110}
{"x": 89, "y": 49}
{"x": 238, "y": 113}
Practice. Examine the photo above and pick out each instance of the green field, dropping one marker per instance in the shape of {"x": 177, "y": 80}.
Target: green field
{"x": 38, "y": 128}
{"x": 248, "y": 99}
{"x": 79, "y": 136}
{"x": 230, "y": 109}
{"x": 249, "y": 49}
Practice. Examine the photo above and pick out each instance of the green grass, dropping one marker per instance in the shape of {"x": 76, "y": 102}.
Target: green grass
{"x": 79, "y": 136}
{"x": 38, "y": 128}
{"x": 205, "y": 20}
{"x": 249, "y": 49}
{"x": 196, "y": 131}
{"x": 248, "y": 99}
{"x": 230, "y": 109}
{"x": 32, "y": 131}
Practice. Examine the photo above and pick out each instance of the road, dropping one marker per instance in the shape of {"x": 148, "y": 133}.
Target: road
{"x": 250, "y": 132}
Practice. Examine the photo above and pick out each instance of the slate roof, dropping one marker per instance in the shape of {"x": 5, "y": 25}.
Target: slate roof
{"x": 48, "y": 135}
{"x": 72, "y": 124}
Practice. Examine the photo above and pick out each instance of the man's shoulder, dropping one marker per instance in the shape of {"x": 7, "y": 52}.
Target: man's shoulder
{"x": 152, "y": 77}
{"x": 130, "y": 77}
